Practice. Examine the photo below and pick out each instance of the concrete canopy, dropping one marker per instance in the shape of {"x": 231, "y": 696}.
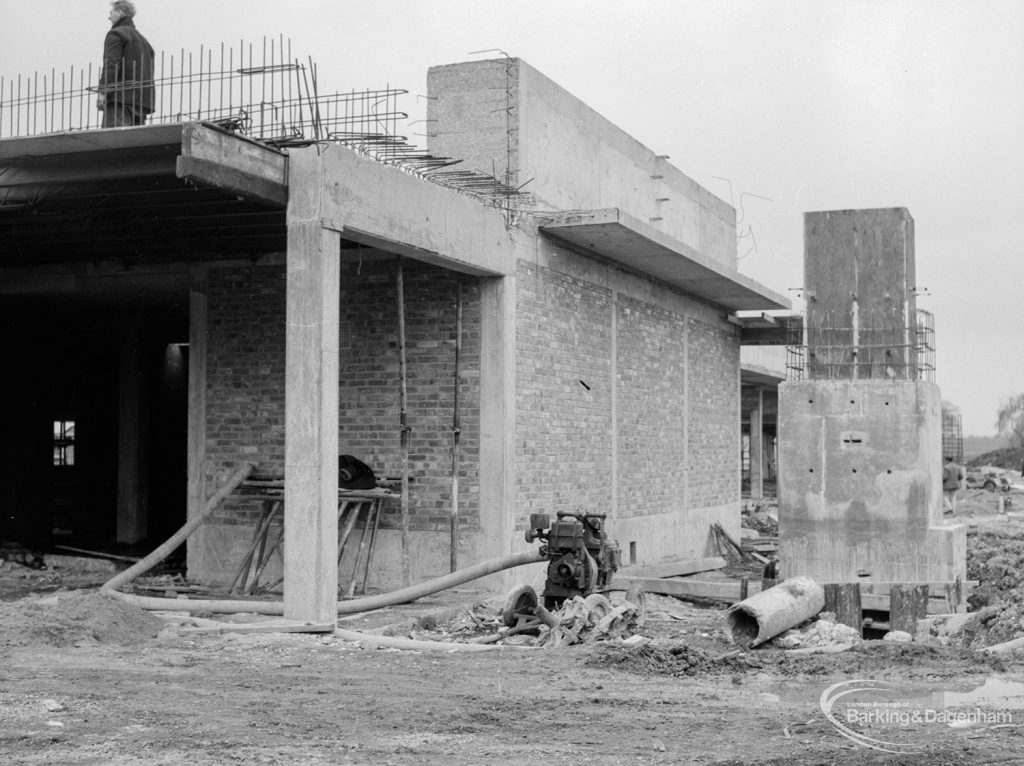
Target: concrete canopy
{"x": 177, "y": 192}
{"x": 614, "y": 234}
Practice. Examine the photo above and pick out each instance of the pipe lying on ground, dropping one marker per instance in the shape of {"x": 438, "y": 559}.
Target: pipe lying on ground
{"x": 172, "y": 542}
{"x": 402, "y": 596}
{"x": 1006, "y": 647}
{"x": 397, "y": 642}
{"x": 766, "y": 614}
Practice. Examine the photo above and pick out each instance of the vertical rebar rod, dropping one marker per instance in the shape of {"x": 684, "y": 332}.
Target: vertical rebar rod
{"x": 456, "y": 428}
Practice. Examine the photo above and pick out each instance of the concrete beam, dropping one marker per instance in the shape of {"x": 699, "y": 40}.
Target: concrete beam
{"x": 311, "y": 401}
{"x": 386, "y": 208}
{"x": 223, "y": 160}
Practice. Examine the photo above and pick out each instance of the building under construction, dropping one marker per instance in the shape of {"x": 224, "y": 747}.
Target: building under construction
{"x": 535, "y": 313}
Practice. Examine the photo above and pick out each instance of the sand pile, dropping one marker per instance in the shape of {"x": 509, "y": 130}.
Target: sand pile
{"x": 75, "y": 618}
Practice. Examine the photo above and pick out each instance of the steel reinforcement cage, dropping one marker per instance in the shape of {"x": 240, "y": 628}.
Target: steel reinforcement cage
{"x": 873, "y": 355}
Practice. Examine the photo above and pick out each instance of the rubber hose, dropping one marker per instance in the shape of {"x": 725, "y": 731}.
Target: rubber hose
{"x": 172, "y": 542}
{"x": 366, "y": 604}
{"x": 396, "y": 642}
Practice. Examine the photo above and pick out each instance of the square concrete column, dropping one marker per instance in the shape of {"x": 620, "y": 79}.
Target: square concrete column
{"x": 198, "y": 335}
{"x": 497, "y": 413}
{"x": 311, "y": 400}
{"x": 132, "y": 442}
{"x": 757, "y": 445}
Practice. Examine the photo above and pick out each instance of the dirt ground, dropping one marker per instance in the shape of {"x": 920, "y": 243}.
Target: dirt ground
{"x": 88, "y": 679}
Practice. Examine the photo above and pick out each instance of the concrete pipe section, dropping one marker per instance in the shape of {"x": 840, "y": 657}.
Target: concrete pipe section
{"x": 766, "y": 614}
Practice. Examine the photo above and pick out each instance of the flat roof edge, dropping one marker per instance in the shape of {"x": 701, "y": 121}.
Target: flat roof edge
{"x": 620, "y": 237}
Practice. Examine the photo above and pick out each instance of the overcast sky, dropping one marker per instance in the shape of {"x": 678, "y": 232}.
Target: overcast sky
{"x": 813, "y": 105}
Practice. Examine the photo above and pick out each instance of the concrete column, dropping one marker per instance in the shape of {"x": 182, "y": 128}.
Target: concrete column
{"x": 132, "y": 452}
{"x": 757, "y": 445}
{"x": 497, "y": 413}
{"x": 311, "y": 400}
{"x": 197, "y": 345}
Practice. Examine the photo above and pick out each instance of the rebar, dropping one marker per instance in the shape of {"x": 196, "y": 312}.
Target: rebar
{"x": 270, "y": 97}
{"x": 831, "y": 350}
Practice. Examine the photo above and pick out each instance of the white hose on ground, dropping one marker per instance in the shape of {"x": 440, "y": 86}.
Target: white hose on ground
{"x": 402, "y": 596}
{"x": 411, "y": 644}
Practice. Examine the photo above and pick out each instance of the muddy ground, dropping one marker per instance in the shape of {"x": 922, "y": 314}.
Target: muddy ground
{"x": 86, "y": 679}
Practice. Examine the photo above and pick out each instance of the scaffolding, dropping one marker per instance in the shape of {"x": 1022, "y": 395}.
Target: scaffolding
{"x": 952, "y": 436}
{"x": 840, "y": 351}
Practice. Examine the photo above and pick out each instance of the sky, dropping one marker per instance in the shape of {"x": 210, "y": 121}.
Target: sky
{"x": 777, "y": 106}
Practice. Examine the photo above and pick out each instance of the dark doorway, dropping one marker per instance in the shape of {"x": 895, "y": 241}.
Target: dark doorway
{"x": 59, "y": 441}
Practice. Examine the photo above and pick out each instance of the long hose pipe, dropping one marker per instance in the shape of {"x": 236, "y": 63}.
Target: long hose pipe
{"x": 276, "y": 608}
{"x": 354, "y": 606}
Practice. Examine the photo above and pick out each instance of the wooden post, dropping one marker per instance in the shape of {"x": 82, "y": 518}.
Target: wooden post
{"x": 403, "y": 424}
{"x": 908, "y": 603}
{"x": 844, "y": 600}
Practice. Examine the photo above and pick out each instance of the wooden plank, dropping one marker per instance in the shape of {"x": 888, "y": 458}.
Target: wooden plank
{"x": 907, "y": 605}
{"x": 844, "y": 599}
{"x": 935, "y": 589}
{"x": 718, "y": 591}
{"x": 675, "y": 568}
{"x": 877, "y": 603}
{"x": 270, "y": 626}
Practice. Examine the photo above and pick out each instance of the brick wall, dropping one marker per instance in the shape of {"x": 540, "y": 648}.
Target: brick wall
{"x": 651, "y": 409}
{"x": 676, "y": 449}
{"x": 564, "y": 371}
{"x": 713, "y": 449}
{"x": 245, "y": 378}
{"x": 370, "y": 381}
{"x": 245, "y": 384}
{"x": 563, "y": 392}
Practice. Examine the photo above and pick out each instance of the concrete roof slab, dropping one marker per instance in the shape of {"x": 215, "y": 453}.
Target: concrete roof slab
{"x": 614, "y": 234}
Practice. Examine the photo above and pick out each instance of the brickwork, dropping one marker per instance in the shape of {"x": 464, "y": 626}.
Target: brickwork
{"x": 651, "y": 408}
{"x": 564, "y": 404}
{"x": 245, "y": 384}
{"x": 677, "y": 448}
{"x": 713, "y": 434}
{"x": 245, "y": 378}
{"x": 370, "y": 383}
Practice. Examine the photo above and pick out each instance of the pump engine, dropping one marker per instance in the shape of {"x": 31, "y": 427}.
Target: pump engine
{"x": 581, "y": 557}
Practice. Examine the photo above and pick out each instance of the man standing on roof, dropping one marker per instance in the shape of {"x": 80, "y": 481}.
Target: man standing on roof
{"x": 126, "y": 85}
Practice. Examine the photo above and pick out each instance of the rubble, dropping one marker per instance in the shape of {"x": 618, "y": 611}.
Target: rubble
{"x": 823, "y": 631}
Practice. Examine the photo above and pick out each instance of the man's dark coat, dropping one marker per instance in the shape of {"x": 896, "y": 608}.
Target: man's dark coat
{"x": 127, "y": 76}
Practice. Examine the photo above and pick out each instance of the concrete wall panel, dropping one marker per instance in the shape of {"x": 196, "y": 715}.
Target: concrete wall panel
{"x": 505, "y": 114}
{"x": 860, "y": 482}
